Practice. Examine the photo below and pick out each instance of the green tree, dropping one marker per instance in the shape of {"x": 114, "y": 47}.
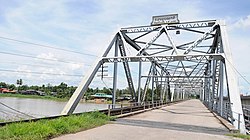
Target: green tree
{"x": 157, "y": 93}
{"x": 63, "y": 86}
{"x": 126, "y": 91}
{"x": 3, "y": 85}
{"x": 63, "y": 90}
{"x": 89, "y": 90}
{"x": 12, "y": 87}
{"x": 23, "y": 87}
{"x": 96, "y": 90}
{"x": 106, "y": 90}
{"x": 43, "y": 88}
{"x": 34, "y": 87}
{"x": 148, "y": 94}
{"x": 19, "y": 82}
{"x": 60, "y": 93}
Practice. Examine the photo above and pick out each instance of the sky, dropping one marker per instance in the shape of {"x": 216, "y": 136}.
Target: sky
{"x": 84, "y": 29}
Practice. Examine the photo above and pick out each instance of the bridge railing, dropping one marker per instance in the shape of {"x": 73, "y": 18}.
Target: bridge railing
{"x": 246, "y": 112}
{"x": 124, "y": 108}
{"x": 227, "y": 112}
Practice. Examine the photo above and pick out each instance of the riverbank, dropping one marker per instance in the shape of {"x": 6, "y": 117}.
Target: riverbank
{"x": 46, "y": 129}
{"x": 47, "y": 97}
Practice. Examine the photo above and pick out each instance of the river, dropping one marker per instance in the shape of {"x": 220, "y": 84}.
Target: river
{"x": 24, "y": 108}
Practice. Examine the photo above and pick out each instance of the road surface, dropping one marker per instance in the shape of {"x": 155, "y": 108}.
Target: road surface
{"x": 188, "y": 120}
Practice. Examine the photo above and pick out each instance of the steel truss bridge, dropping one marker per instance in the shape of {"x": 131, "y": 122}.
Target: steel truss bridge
{"x": 183, "y": 59}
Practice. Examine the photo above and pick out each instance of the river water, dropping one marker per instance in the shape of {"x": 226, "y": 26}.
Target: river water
{"x": 12, "y": 108}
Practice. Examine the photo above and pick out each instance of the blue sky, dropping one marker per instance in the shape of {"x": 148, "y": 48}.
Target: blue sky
{"x": 87, "y": 26}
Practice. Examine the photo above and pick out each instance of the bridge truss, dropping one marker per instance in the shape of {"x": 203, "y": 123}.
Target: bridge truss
{"x": 183, "y": 59}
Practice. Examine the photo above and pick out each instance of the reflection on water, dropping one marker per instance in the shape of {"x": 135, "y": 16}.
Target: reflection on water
{"x": 38, "y": 108}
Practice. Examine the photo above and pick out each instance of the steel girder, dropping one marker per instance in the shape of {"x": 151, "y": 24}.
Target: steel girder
{"x": 181, "y": 65}
{"x": 126, "y": 67}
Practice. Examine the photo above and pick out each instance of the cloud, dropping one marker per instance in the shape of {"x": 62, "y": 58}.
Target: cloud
{"x": 48, "y": 56}
{"x": 75, "y": 66}
{"x": 24, "y": 68}
{"x": 238, "y": 33}
{"x": 88, "y": 26}
{"x": 243, "y": 23}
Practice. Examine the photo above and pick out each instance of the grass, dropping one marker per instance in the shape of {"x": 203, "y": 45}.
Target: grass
{"x": 46, "y": 129}
{"x": 47, "y": 97}
{"x": 238, "y": 135}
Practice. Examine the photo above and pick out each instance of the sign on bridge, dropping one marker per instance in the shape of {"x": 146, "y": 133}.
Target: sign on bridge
{"x": 165, "y": 19}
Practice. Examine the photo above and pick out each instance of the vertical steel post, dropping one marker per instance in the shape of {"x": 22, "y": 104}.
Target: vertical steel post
{"x": 239, "y": 121}
{"x": 177, "y": 91}
{"x": 115, "y": 74}
{"x": 166, "y": 90}
{"x": 121, "y": 108}
{"x": 202, "y": 91}
{"x": 169, "y": 95}
{"x": 208, "y": 85}
{"x": 221, "y": 88}
{"x": 147, "y": 83}
{"x": 152, "y": 93}
{"x": 108, "y": 110}
{"x": 213, "y": 85}
{"x": 183, "y": 94}
{"x": 172, "y": 94}
{"x": 205, "y": 88}
{"x": 139, "y": 83}
{"x": 161, "y": 92}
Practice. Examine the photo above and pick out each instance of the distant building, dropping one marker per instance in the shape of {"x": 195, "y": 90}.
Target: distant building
{"x": 101, "y": 97}
{"x": 125, "y": 97}
{"x": 53, "y": 93}
{"x": 32, "y": 92}
{"x": 5, "y": 90}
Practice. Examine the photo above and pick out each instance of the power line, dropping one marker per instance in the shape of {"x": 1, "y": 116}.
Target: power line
{"x": 29, "y": 56}
{"x": 46, "y": 46}
{"x": 27, "y": 64}
{"x": 238, "y": 72}
{"x": 15, "y": 63}
{"x": 107, "y": 86}
{"x": 18, "y": 71}
{"x": 10, "y": 114}
{"x": 53, "y": 81}
{"x": 16, "y": 110}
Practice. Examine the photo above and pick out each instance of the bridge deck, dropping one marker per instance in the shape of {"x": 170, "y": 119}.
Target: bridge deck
{"x": 187, "y": 120}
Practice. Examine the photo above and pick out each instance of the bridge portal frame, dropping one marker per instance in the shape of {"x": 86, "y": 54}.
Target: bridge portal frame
{"x": 213, "y": 68}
